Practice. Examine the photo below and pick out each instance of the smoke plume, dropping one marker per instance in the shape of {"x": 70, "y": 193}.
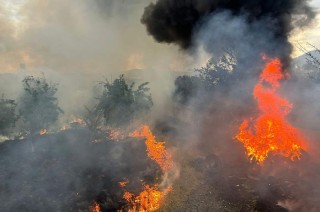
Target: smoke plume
{"x": 176, "y": 21}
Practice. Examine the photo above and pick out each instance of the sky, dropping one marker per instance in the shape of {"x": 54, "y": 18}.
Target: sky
{"x": 56, "y": 35}
{"x": 311, "y": 34}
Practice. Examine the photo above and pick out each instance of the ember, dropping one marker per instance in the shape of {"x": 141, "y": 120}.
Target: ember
{"x": 270, "y": 131}
{"x": 43, "y": 132}
{"x": 123, "y": 184}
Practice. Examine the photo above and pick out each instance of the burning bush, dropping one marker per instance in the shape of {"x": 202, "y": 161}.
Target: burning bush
{"x": 271, "y": 131}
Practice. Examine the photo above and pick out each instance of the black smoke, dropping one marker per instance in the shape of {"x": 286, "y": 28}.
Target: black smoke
{"x": 175, "y": 21}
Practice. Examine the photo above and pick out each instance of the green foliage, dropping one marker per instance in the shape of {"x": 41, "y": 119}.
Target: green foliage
{"x": 216, "y": 75}
{"x": 38, "y": 104}
{"x": 8, "y": 117}
{"x": 218, "y": 72}
{"x": 121, "y": 103}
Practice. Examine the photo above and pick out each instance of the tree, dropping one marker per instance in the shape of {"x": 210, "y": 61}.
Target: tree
{"x": 216, "y": 74}
{"x": 120, "y": 103}
{"x": 312, "y": 56}
{"x": 186, "y": 87}
{"x": 38, "y": 105}
{"x": 93, "y": 117}
{"x": 8, "y": 116}
{"x": 313, "y": 60}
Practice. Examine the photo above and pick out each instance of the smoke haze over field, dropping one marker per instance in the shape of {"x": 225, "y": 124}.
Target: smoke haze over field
{"x": 103, "y": 36}
{"x": 80, "y": 43}
{"x": 82, "y": 36}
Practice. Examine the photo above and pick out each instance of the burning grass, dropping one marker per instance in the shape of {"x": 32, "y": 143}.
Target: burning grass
{"x": 67, "y": 172}
{"x": 152, "y": 197}
{"x": 156, "y": 150}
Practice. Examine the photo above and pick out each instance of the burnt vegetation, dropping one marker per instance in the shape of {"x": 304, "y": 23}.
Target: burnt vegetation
{"x": 66, "y": 172}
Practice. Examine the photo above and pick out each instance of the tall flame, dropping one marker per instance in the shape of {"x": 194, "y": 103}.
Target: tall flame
{"x": 151, "y": 197}
{"x": 155, "y": 149}
{"x": 270, "y": 131}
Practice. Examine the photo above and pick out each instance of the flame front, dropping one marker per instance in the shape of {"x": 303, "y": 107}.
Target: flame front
{"x": 270, "y": 131}
{"x": 155, "y": 150}
{"x": 149, "y": 199}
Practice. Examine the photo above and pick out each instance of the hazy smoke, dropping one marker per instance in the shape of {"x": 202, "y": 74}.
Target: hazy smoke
{"x": 78, "y": 43}
{"x": 176, "y": 21}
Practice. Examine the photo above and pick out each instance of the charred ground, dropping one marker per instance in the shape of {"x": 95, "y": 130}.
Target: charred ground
{"x": 67, "y": 172}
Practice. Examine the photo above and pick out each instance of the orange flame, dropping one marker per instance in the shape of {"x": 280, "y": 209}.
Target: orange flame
{"x": 43, "y": 132}
{"x": 270, "y": 132}
{"x": 148, "y": 200}
{"x": 75, "y": 121}
{"x": 155, "y": 149}
{"x": 151, "y": 197}
{"x": 95, "y": 207}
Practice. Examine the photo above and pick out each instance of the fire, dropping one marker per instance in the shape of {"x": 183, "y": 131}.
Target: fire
{"x": 149, "y": 199}
{"x": 43, "y": 132}
{"x": 270, "y": 131}
{"x": 78, "y": 121}
{"x": 95, "y": 207}
{"x": 156, "y": 150}
{"x": 115, "y": 134}
{"x": 123, "y": 184}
